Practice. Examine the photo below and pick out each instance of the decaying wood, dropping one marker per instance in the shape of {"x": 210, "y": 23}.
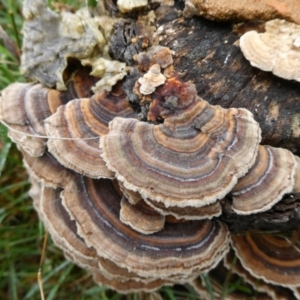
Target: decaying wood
{"x": 245, "y": 10}
{"x": 283, "y": 216}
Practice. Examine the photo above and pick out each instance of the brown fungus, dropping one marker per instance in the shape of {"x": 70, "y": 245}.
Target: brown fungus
{"x": 177, "y": 251}
{"x": 271, "y": 176}
{"x": 187, "y": 212}
{"x": 273, "y": 258}
{"x": 131, "y": 196}
{"x": 24, "y": 107}
{"x": 158, "y": 55}
{"x": 47, "y": 170}
{"x": 194, "y": 158}
{"x": 141, "y": 217}
{"x": 63, "y": 231}
{"x": 276, "y": 50}
{"x": 232, "y": 263}
{"x": 129, "y": 285}
{"x": 77, "y": 127}
{"x": 35, "y": 193}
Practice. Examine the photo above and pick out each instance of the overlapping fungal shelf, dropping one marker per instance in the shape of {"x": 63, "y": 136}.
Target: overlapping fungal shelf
{"x": 132, "y": 190}
{"x": 276, "y": 50}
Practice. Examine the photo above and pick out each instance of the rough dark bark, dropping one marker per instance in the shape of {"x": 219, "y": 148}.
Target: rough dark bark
{"x": 283, "y": 216}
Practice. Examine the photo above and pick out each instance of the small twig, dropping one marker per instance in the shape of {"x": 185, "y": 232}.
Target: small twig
{"x": 39, "y": 274}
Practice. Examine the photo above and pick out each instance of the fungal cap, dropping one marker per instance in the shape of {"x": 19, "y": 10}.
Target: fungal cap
{"x": 278, "y": 253}
{"x": 80, "y": 119}
{"x": 96, "y": 204}
{"x": 271, "y": 176}
{"x": 275, "y": 50}
{"x": 141, "y": 217}
{"x": 152, "y": 79}
{"x": 187, "y": 160}
{"x": 296, "y": 188}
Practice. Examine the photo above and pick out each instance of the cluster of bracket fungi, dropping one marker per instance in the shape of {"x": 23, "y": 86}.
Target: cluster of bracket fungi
{"x": 131, "y": 190}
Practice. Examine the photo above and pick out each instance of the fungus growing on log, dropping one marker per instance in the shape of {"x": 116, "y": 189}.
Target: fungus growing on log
{"x": 24, "y": 107}
{"x": 141, "y": 217}
{"x": 151, "y": 80}
{"x": 296, "y": 188}
{"x": 131, "y": 196}
{"x": 232, "y": 263}
{"x": 276, "y": 50}
{"x": 271, "y": 176}
{"x": 80, "y": 119}
{"x": 187, "y": 160}
{"x": 158, "y": 55}
{"x": 187, "y": 212}
{"x": 274, "y": 258}
{"x": 63, "y": 231}
{"x": 47, "y": 170}
{"x": 126, "y": 180}
{"x": 128, "y": 285}
{"x": 180, "y": 249}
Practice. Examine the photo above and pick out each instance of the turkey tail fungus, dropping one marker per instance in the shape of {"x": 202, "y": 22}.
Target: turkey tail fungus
{"x": 136, "y": 176}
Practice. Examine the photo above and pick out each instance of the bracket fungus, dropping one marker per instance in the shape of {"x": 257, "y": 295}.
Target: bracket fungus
{"x": 274, "y": 258}
{"x": 47, "y": 170}
{"x": 130, "y": 181}
{"x": 231, "y": 262}
{"x": 296, "y": 188}
{"x": 277, "y": 49}
{"x": 22, "y": 110}
{"x": 64, "y": 233}
{"x": 141, "y": 217}
{"x": 187, "y": 212}
{"x": 25, "y": 106}
{"x": 151, "y": 80}
{"x": 187, "y": 160}
{"x": 271, "y": 176}
{"x": 80, "y": 119}
{"x": 95, "y": 207}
